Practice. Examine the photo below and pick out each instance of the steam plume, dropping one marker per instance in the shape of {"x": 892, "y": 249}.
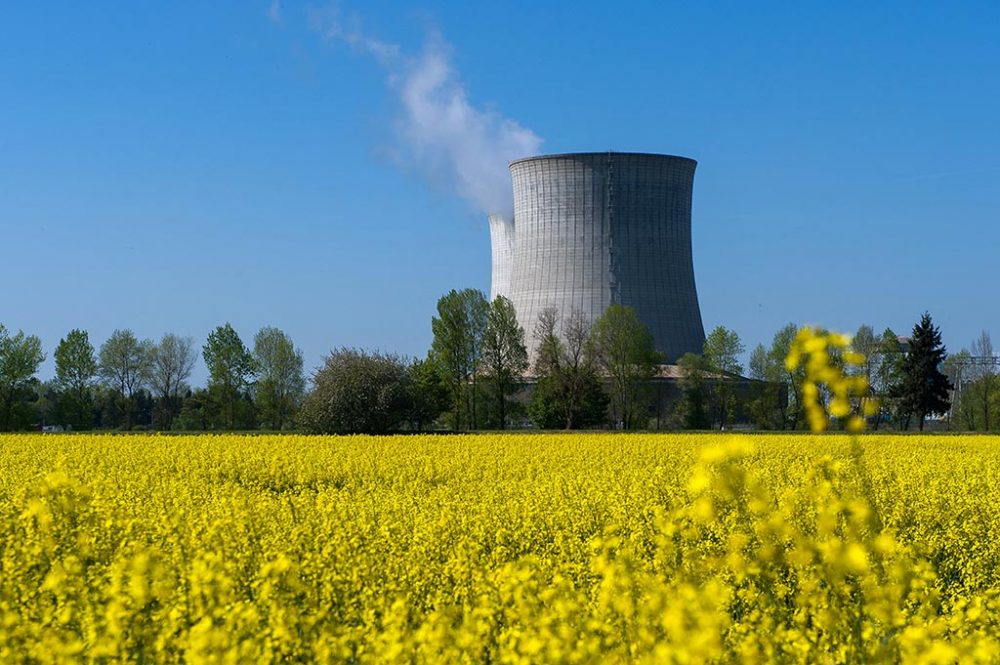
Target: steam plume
{"x": 438, "y": 130}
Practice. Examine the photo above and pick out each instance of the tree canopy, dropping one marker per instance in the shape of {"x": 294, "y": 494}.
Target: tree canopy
{"x": 623, "y": 347}
{"x": 170, "y": 366}
{"x": 230, "y": 368}
{"x": 457, "y": 348}
{"x": 124, "y": 362}
{"x": 76, "y": 369}
{"x": 20, "y": 357}
{"x": 568, "y": 391}
{"x": 357, "y": 391}
{"x": 504, "y": 356}
{"x": 280, "y": 380}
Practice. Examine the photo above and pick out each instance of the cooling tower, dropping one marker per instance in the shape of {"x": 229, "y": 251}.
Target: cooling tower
{"x": 502, "y": 241}
{"x": 592, "y": 229}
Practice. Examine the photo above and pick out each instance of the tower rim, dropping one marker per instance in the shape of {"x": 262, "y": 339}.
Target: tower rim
{"x": 604, "y": 153}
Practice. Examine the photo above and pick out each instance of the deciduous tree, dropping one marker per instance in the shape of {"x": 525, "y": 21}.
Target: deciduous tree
{"x": 230, "y": 368}
{"x": 721, "y": 351}
{"x": 457, "y": 348}
{"x": 76, "y": 369}
{"x": 866, "y": 342}
{"x": 965, "y": 401}
{"x": 428, "y": 394}
{"x": 983, "y": 373}
{"x": 568, "y": 391}
{"x": 20, "y": 357}
{"x": 504, "y": 356}
{"x": 170, "y": 366}
{"x": 887, "y": 377}
{"x": 123, "y": 363}
{"x": 694, "y": 403}
{"x": 623, "y": 347}
{"x": 776, "y": 402}
{"x": 280, "y": 380}
{"x": 357, "y": 392}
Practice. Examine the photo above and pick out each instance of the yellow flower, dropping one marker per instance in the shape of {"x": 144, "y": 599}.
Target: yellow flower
{"x": 821, "y": 371}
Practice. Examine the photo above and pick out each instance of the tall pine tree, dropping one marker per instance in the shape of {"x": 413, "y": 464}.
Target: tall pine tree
{"x": 924, "y": 388}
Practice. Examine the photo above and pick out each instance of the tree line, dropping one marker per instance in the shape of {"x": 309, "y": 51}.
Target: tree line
{"x": 908, "y": 385}
{"x": 476, "y": 375}
{"x": 129, "y": 383}
{"x": 585, "y": 374}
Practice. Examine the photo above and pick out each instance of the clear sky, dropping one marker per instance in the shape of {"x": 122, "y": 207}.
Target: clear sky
{"x": 173, "y": 166}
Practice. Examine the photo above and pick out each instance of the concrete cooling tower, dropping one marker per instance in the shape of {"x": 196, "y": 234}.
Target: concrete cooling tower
{"x": 592, "y": 229}
{"x": 502, "y": 241}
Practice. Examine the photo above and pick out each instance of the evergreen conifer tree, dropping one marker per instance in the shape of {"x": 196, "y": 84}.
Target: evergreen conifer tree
{"x": 924, "y": 387}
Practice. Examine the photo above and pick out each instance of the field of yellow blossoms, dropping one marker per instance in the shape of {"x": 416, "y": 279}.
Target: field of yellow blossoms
{"x": 526, "y": 548}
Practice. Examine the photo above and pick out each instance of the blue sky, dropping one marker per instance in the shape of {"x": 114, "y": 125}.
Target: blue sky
{"x": 173, "y": 167}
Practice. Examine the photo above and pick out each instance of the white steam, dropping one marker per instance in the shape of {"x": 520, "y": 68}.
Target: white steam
{"x": 438, "y": 131}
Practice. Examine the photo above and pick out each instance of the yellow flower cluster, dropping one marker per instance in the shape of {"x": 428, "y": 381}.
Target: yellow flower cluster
{"x": 825, "y": 355}
{"x": 583, "y": 548}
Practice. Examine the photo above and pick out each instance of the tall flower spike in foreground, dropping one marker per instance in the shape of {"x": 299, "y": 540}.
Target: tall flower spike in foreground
{"x": 816, "y": 350}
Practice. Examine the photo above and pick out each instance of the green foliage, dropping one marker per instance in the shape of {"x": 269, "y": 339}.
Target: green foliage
{"x": 124, "y": 363}
{"x": 777, "y": 402}
{"x": 112, "y": 412}
{"x": 692, "y": 409}
{"x": 230, "y": 367}
{"x": 357, "y": 391}
{"x": 623, "y": 348}
{"x": 924, "y": 388}
{"x": 280, "y": 381}
{"x": 458, "y": 331}
{"x": 547, "y": 406}
{"x": 764, "y": 406}
{"x": 976, "y": 399}
{"x": 47, "y": 405}
{"x": 196, "y": 412}
{"x": 20, "y": 356}
{"x": 76, "y": 369}
{"x": 504, "y": 356}
{"x": 170, "y": 366}
{"x": 428, "y": 394}
{"x": 568, "y": 393}
{"x": 569, "y": 402}
{"x": 866, "y": 342}
{"x": 721, "y": 352}
{"x": 887, "y": 375}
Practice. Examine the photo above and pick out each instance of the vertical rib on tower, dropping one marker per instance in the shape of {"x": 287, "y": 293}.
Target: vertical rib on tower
{"x": 502, "y": 240}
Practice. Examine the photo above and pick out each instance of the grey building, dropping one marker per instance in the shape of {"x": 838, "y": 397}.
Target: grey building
{"x": 592, "y": 229}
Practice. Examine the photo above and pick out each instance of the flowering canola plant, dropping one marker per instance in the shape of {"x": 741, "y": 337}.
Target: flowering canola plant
{"x": 818, "y": 351}
{"x": 503, "y": 548}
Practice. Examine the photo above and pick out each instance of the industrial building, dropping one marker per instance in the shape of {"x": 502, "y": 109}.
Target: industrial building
{"x": 592, "y": 229}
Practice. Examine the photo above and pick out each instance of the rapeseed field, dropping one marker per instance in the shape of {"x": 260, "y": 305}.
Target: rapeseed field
{"x": 520, "y": 548}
